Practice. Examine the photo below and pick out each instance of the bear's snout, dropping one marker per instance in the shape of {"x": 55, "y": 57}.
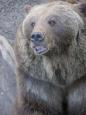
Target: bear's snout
{"x": 38, "y": 43}
{"x": 37, "y": 37}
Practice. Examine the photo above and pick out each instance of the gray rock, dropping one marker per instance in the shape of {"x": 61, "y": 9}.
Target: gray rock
{"x": 7, "y": 78}
{"x": 12, "y": 14}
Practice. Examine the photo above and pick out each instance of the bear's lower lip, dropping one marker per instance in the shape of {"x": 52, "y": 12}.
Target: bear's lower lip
{"x": 39, "y": 50}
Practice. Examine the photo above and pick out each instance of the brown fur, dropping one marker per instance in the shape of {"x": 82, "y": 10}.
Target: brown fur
{"x": 64, "y": 62}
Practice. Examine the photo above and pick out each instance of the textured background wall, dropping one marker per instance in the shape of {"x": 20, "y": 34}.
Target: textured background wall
{"x": 11, "y": 14}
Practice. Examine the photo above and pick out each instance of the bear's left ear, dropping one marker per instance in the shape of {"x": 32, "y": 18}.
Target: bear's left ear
{"x": 81, "y": 9}
{"x": 27, "y": 8}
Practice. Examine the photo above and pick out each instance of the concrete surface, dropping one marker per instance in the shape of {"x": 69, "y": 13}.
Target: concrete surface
{"x": 11, "y": 14}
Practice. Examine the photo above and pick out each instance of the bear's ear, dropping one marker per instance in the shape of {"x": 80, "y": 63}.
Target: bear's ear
{"x": 71, "y": 1}
{"x": 27, "y": 8}
{"x": 80, "y": 8}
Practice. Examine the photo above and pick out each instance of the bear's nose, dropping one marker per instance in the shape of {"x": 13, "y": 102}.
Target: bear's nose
{"x": 37, "y": 37}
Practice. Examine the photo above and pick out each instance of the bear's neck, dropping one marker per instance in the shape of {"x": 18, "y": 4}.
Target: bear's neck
{"x": 65, "y": 68}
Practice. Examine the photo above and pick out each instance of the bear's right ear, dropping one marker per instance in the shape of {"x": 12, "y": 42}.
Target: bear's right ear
{"x": 71, "y": 1}
{"x": 27, "y": 8}
{"x": 81, "y": 8}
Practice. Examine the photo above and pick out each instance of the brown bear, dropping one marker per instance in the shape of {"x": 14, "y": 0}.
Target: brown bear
{"x": 50, "y": 41}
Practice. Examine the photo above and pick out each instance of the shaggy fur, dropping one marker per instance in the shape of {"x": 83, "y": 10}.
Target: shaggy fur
{"x": 62, "y": 64}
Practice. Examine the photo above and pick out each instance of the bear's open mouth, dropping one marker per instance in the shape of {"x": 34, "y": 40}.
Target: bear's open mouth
{"x": 39, "y": 50}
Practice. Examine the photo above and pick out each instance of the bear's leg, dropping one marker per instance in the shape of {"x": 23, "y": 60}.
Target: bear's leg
{"x": 45, "y": 97}
{"x": 37, "y": 97}
{"x": 76, "y": 98}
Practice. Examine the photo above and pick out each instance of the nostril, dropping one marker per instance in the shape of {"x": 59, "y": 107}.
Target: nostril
{"x": 39, "y": 36}
{"x": 32, "y": 36}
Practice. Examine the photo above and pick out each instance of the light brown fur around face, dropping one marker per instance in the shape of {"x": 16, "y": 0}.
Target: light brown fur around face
{"x": 64, "y": 61}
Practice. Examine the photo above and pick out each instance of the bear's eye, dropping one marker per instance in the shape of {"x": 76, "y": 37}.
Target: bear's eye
{"x": 51, "y": 22}
{"x": 33, "y": 24}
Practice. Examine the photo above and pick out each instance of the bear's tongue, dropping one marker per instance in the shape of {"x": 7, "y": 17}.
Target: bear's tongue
{"x": 39, "y": 50}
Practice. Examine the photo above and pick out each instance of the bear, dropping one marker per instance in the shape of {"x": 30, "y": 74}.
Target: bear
{"x": 50, "y": 41}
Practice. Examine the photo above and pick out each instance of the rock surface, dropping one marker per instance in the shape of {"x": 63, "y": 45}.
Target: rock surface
{"x": 12, "y": 14}
{"x": 7, "y": 77}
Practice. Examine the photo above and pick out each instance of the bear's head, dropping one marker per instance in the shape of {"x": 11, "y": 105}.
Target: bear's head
{"x": 52, "y": 27}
